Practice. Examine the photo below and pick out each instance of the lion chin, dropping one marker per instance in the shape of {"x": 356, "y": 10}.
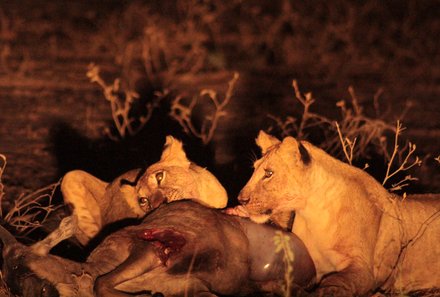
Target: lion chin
{"x": 361, "y": 237}
{"x": 262, "y": 218}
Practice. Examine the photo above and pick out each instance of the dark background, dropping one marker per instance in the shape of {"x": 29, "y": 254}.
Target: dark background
{"x": 52, "y": 118}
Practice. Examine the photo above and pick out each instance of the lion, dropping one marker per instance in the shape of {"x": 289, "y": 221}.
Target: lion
{"x": 361, "y": 238}
{"x": 96, "y": 203}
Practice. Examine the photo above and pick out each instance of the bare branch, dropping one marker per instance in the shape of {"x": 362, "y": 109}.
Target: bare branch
{"x": 346, "y": 142}
{"x": 30, "y": 211}
{"x": 121, "y": 104}
{"x": 405, "y": 165}
{"x": 183, "y": 114}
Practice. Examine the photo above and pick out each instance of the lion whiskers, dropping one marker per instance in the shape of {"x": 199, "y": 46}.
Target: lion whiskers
{"x": 252, "y": 156}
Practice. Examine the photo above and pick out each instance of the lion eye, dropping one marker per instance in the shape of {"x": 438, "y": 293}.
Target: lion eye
{"x": 143, "y": 201}
{"x": 159, "y": 177}
{"x": 268, "y": 173}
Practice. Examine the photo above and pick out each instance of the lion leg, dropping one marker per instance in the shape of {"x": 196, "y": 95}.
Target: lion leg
{"x": 351, "y": 281}
{"x": 85, "y": 193}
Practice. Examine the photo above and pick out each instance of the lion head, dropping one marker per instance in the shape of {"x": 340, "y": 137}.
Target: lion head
{"x": 278, "y": 182}
{"x": 97, "y": 203}
{"x": 176, "y": 178}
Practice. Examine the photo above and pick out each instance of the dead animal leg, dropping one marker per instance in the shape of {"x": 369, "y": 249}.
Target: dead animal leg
{"x": 111, "y": 253}
{"x": 65, "y": 230}
{"x": 142, "y": 259}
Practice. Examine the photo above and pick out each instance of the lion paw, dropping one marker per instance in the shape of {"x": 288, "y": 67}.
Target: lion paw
{"x": 332, "y": 291}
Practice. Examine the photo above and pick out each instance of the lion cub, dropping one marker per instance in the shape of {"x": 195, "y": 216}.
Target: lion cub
{"x": 96, "y": 203}
{"x": 361, "y": 237}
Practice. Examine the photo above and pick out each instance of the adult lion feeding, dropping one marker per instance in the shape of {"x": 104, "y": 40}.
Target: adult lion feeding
{"x": 361, "y": 237}
{"x": 96, "y": 203}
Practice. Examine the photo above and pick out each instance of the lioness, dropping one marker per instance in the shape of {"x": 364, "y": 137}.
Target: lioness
{"x": 97, "y": 203}
{"x": 361, "y": 237}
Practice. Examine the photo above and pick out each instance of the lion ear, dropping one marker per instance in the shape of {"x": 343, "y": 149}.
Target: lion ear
{"x": 290, "y": 143}
{"x": 266, "y": 141}
{"x": 173, "y": 152}
{"x": 300, "y": 153}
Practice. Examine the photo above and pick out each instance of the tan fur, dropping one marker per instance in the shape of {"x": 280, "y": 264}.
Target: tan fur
{"x": 182, "y": 179}
{"x": 97, "y": 203}
{"x": 359, "y": 235}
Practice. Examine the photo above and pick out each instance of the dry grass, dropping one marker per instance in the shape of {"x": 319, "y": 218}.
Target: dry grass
{"x": 28, "y": 211}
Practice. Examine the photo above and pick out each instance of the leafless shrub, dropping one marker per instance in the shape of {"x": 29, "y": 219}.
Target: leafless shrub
{"x": 403, "y": 160}
{"x": 122, "y": 104}
{"x": 29, "y": 211}
{"x": 353, "y": 134}
{"x": 356, "y": 125}
{"x": 353, "y": 127}
{"x": 184, "y": 113}
{"x": 308, "y": 119}
{"x": 347, "y": 145}
{"x": 154, "y": 49}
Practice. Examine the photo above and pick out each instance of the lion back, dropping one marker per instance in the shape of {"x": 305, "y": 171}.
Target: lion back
{"x": 407, "y": 253}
